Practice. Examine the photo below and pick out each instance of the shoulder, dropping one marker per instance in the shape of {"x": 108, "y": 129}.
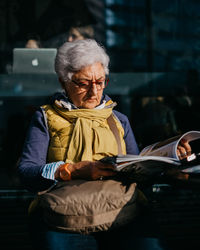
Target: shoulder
{"x": 38, "y": 115}
{"x": 123, "y": 119}
{"x": 38, "y": 120}
{"x": 131, "y": 144}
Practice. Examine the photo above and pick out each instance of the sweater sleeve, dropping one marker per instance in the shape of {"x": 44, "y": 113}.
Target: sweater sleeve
{"x": 32, "y": 163}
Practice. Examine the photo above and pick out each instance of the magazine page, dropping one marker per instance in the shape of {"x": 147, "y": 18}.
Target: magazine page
{"x": 158, "y": 154}
{"x": 168, "y": 148}
{"x": 123, "y": 161}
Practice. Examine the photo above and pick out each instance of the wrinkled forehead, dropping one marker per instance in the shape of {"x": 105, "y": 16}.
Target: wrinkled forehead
{"x": 95, "y": 70}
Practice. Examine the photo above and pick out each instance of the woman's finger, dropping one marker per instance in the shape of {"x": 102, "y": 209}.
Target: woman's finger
{"x": 106, "y": 173}
{"x": 186, "y": 145}
{"x": 178, "y": 153}
{"x": 182, "y": 152}
{"x": 99, "y": 173}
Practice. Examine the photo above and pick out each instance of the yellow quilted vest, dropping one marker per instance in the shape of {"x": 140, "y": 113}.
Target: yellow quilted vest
{"x": 81, "y": 134}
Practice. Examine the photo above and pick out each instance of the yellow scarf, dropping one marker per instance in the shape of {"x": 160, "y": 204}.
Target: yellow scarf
{"x": 90, "y": 137}
{"x": 91, "y": 133}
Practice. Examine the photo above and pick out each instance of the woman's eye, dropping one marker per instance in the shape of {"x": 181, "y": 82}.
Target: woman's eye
{"x": 100, "y": 83}
{"x": 83, "y": 83}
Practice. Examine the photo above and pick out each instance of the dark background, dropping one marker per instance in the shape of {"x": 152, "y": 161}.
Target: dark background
{"x": 140, "y": 35}
{"x": 154, "y": 48}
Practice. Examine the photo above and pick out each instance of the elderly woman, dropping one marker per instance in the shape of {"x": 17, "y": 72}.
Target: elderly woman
{"x": 68, "y": 137}
{"x": 53, "y": 139}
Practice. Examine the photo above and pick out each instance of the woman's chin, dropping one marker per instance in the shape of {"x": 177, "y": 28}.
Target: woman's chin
{"x": 90, "y": 104}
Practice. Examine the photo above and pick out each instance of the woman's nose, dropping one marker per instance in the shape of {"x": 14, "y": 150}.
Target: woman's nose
{"x": 70, "y": 39}
{"x": 93, "y": 88}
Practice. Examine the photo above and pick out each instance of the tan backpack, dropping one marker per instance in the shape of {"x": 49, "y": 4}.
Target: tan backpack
{"x": 90, "y": 206}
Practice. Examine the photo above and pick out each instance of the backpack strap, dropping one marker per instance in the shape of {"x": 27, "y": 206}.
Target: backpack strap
{"x": 113, "y": 128}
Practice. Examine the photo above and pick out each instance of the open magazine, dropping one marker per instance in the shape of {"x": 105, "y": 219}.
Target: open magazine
{"x": 161, "y": 155}
{"x": 168, "y": 148}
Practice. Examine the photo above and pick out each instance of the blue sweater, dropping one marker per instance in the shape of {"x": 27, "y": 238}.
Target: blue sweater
{"x": 33, "y": 159}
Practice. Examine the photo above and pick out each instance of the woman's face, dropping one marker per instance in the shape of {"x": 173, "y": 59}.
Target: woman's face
{"x": 31, "y": 44}
{"x": 74, "y": 35}
{"x": 89, "y": 95}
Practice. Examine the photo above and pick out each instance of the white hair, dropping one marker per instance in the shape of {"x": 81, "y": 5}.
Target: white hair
{"x": 73, "y": 56}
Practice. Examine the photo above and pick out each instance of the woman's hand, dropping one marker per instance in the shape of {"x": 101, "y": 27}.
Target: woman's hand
{"x": 89, "y": 170}
{"x": 183, "y": 149}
